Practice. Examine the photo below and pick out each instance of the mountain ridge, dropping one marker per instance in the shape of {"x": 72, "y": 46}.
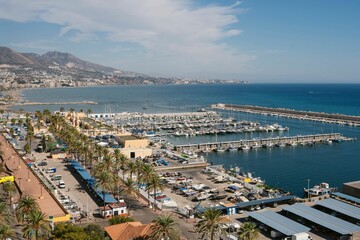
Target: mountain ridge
{"x": 12, "y": 57}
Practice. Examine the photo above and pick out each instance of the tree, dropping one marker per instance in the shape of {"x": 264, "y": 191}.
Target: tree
{"x": 164, "y": 228}
{"x": 210, "y": 224}
{"x": 105, "y": 183}
{"x": 9, "y": 188}
{"x": 68, "y": 231}
{"x": 154, "y": 184}
{"x": 26, "y": 205}
{"x": 4, "y": 213}
{"x": 248, "y": 231}
{"x": 94, "y": 232}
{"x": 37, "y": 226}
{"x": 6, "y": 232}
{"x": 120, "y": 219}
{"x": 147, "y": 172}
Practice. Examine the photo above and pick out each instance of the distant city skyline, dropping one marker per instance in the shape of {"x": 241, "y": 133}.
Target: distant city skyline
{"x": 254, "y": 40}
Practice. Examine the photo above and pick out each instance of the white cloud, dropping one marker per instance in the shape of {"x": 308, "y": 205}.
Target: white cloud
{"x": 174, "y": 33}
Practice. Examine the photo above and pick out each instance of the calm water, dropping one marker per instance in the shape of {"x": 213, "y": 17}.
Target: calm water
{"x": 288, "y": 168}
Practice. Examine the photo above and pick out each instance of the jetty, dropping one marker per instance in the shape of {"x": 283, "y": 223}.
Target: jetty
{"x": 264, "y": 142}
{"x": 334, "y": 118}
{"x": 52, "y": 103}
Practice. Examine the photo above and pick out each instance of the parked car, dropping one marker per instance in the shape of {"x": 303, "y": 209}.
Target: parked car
{"x": 42, "y": 164}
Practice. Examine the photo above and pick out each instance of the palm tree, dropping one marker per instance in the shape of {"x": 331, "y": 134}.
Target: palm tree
{"x": 154, "y": 184}
{"x": 163, "y": 228}
{"x": 9, "y": 188}
{"x": 37, "y": 226}
{"x": 104, "y": 181}
{"x": 210, "y": 224}
{"x": 6, "y": 232}
{"x": 129, "y": 185}
{"x": 147, "y": 172}
{"x": 248, "y": 231}
{"x": 26, "y": 205}
{"x": 4, "y": 213}
{"x": 132, "y": 168}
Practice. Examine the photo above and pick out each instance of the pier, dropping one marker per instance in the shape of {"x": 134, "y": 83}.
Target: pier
{"x": 290, "y": 113}
{"x": 265, "y": 142}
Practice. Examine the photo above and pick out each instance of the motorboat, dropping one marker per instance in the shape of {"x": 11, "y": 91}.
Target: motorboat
{"x": 318, "y": 190}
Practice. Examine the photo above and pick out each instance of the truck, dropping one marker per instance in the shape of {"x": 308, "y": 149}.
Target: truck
{"x": 301, "y": 236}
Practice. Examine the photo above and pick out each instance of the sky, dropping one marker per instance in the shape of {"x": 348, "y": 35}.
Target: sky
{"x": 255, "y": 40}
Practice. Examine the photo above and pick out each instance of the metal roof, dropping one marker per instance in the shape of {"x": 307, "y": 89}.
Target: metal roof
{"x": 252, "y": 203}
{"x": 346, "y": 197}
{"x": 336, "y": 224}
{"x": 278, "y": 222}
{"x": 340, "y": 207}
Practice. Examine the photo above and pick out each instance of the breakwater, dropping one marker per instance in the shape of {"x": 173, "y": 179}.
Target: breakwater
{"x": 290, "y": 113}
{"x": 265, "y": 142}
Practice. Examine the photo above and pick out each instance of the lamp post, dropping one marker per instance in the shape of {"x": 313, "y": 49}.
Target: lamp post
{"x": 308, "y": 182}
{"x": 28, "y": 179}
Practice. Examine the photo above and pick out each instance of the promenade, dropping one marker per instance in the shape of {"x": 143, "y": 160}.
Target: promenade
{"x": 28, "y": 183}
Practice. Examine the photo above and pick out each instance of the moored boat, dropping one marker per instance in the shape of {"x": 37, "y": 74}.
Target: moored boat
{"x": 318, "y": 190}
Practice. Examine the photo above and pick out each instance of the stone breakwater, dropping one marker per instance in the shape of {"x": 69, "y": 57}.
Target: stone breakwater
{"x": 333, "y": 118}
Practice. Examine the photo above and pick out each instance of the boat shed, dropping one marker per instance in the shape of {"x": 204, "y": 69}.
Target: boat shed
{"x": 325, "y": 220}
{"x": 340, "y": 207}
{"x": 242, "y": 205}
{"x": 346, "y": 197}
{"x": 278, "y": 222}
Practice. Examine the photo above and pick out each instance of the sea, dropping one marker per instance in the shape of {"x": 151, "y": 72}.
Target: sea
{"x": 288, "y": 168}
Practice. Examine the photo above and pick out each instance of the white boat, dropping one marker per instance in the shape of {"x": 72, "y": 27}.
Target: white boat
{"x": 245, "y": 147}
{"x": 319, "y": 190}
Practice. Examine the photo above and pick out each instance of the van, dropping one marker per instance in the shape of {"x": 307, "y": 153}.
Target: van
{"x": 61, "y": 184}
{"x": 56, "y": 177}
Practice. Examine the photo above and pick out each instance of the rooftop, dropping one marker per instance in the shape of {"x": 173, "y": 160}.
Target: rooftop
{"x": 128, "y": 230}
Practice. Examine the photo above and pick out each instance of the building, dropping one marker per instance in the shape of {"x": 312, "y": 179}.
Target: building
{"x": 352, "y": 189}
{"x": 129, "y": 230}
{"x": 114, "y": 209}
{"x": 58, "y": 154}
{"x": 134, "y": 147}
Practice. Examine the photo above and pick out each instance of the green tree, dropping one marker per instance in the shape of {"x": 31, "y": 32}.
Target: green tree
{"x": 147, "y": 173}
{"x": 10, "y": 189}
{"x": 26, "y": 205}
{"x": 94, "y": 232}
{"x": 4, "y": 213}
{"x": 164, "y": 228}
{"x": 154, "y": 184}
{"x": 6, "y": 231}
{"x": 37, "y": 226}
{"x": 120, "y": 219}
{"x": 248, "y": 231}
{"x": 68, "y": 231}
{"x": 210, "y": 224}
{"x": 104, "y": 183}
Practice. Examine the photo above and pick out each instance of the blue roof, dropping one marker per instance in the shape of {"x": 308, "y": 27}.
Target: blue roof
{"x": 278, "y": 222}
{"x": 91, "y": 182}
{"x": 340, "y": 207}
{"x": 330, "y": 222}
{"x": 346, "y": 197}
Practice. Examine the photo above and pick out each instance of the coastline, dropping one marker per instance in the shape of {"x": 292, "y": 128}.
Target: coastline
{"x": 16, "y": 98}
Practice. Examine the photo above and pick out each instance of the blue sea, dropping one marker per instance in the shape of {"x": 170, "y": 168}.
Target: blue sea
{"x": 287, "y": 168}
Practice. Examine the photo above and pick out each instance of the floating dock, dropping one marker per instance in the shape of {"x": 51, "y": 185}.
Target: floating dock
{"x": 290, "y": 113}
{"x": 265, "y": 142}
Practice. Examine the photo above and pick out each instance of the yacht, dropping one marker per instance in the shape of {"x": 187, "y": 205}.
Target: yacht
{"x": 245, "y": 147}
{"x": 318, "y": 190}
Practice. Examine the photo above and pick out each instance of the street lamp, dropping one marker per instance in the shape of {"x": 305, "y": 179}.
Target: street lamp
{"x": 28, "y": 179}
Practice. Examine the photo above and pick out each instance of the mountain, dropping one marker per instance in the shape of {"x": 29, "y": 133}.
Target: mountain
{"x": 11, "y": 57}
{"x": 70, "y": 61}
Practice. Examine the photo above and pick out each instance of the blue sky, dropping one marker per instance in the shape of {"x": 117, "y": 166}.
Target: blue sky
{"x": 255, "y": 40}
